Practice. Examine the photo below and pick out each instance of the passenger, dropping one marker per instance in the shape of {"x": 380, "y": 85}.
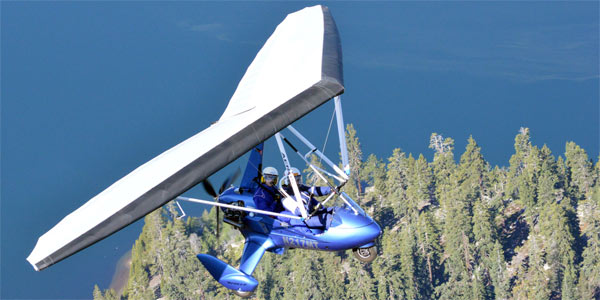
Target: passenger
{"x": 306, "y": 192}
{"x": 267, "y": 197}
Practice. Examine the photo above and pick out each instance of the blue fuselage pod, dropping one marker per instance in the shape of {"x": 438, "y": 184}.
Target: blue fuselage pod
{"x": 347, "y": 229}
{"x": 231, "y": 196}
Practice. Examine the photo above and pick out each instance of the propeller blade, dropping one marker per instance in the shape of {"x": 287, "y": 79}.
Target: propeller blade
{"x": 209, "y": 188}
{"x": 229, "y": 181}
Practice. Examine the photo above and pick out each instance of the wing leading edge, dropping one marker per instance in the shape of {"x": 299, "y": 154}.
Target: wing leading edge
{"x": 270, "y": 96}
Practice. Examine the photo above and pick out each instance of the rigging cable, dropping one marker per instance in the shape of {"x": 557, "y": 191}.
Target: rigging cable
{"x": 326, "y": 138}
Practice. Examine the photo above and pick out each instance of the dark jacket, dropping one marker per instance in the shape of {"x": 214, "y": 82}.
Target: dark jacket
{"x": 268, "y": 198}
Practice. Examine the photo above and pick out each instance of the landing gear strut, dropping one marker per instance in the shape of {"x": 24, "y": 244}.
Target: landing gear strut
{"x": 365, "y": 254}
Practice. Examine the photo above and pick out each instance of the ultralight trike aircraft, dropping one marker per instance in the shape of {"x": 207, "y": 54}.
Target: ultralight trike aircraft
{"x": 298, "y": 69}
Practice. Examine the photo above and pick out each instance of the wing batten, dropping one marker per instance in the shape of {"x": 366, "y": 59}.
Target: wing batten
{"x": 180, "y": 168}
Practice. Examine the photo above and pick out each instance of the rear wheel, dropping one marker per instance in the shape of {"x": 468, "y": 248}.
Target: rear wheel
{"x": 244, "y": 294}
{"x": 365, "y": 254}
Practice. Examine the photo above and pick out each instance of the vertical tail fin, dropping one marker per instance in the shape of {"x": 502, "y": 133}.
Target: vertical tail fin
{"x": 253, "y": 168}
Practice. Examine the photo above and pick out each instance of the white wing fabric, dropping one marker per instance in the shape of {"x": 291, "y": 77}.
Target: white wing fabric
{"x": 298, "y": 69}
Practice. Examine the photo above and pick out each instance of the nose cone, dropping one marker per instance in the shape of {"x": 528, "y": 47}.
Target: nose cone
{"x": 371, "y": 231}
{"x": 349, "y": 230}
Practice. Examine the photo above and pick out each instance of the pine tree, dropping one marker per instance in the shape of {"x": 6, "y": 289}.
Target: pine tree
{"x": 332, "y": 276}
{"x": 556, "y": 226}
{"x": 144, "y": 258}
{"x": 110, "y": 294}
{"x": 180, "y": 265}
{"x": 491, "y": 264}
{"x": 408, "y": 265}
{"x": 458, "y": 231}
{"x": 524, "y": 166}
{"x": 311, "y": 177}
{"x": 550, "y": 271}
{"x": 533, "y": 279}
{"x": 97, "y": 293}
{"x": 443, "y": 166}
{"x": 355, "y": 157}
{"x": 429, "y": 252}
{"x": 386, "y": 266}
{"x": 408, "y": 204}
{"x": 579, "y": 170}
{"x": 273, "y": 273}
{"x": 360, "y": 283}
{"x": 138, "y": 275}
{"x": 420, "y": 187}
{"x": 396, "y": 185}
{"x": 374, "y": 174}
{"x": 305, "y": 273}
{"x": 589, "y": 275}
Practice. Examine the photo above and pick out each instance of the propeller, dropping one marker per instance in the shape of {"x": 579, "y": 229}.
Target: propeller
{"x": 208, "y": 187}
{"x": 229, "y": 180}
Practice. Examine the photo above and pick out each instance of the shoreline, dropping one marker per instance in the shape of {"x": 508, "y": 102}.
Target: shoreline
{"x": 121, "y": 275}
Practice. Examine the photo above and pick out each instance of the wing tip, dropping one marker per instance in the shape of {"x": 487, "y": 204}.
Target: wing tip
{"x": 33, "y": 264}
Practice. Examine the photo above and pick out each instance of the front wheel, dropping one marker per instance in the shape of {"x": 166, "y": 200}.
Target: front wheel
{"x": 244, "y": 294}
{"x": 365, "y": 254}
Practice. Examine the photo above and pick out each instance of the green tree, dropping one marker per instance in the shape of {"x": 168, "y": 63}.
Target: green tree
{"x": 332, "y": 277}
{"x": 556, "y": 227}
{"x": 429, "y": 251}
{"x": 355, "y": 157}
{"x": 360, "y": 283}
{"x": 589, "y": 275}
{"x": 550, "y": 270}
{"x": 490, "y": 259}
{"x": 523, "y": 171}
{"x": 311, "y": 177}
{"x": 97, "y": 293}
{"x": 386, "y": 266}
{"x": 374, "y": 174}
{"x": 419, "y": 190}
{"x": 180, "y": 267}
{"x": 443, "y": 166}
{"x": 579, "y": 170}
{"x": 532, "y": 279}
{"x": 408, "y": 265}
{"x": 458, "y": 231}
{"x": 145, "y": 263}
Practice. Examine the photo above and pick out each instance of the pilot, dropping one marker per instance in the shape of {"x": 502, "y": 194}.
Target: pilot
{"x": 267, "y": 197}
{"x": 306, "y": 191}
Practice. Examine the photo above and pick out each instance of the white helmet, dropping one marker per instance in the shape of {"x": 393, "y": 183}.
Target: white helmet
{"x": 270, "y": 171}
{"x": 270, "y": 175}
{"x": 296, "y": 173}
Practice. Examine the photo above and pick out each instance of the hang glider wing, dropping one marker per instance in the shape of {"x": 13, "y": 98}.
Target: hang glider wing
{"x": 298, "y": 69}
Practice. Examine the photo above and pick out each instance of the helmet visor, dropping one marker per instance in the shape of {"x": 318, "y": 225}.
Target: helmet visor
{"x": 270, "y": 178}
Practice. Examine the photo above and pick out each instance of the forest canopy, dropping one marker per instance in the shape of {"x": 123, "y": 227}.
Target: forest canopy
{"x": 453, "y": 228}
